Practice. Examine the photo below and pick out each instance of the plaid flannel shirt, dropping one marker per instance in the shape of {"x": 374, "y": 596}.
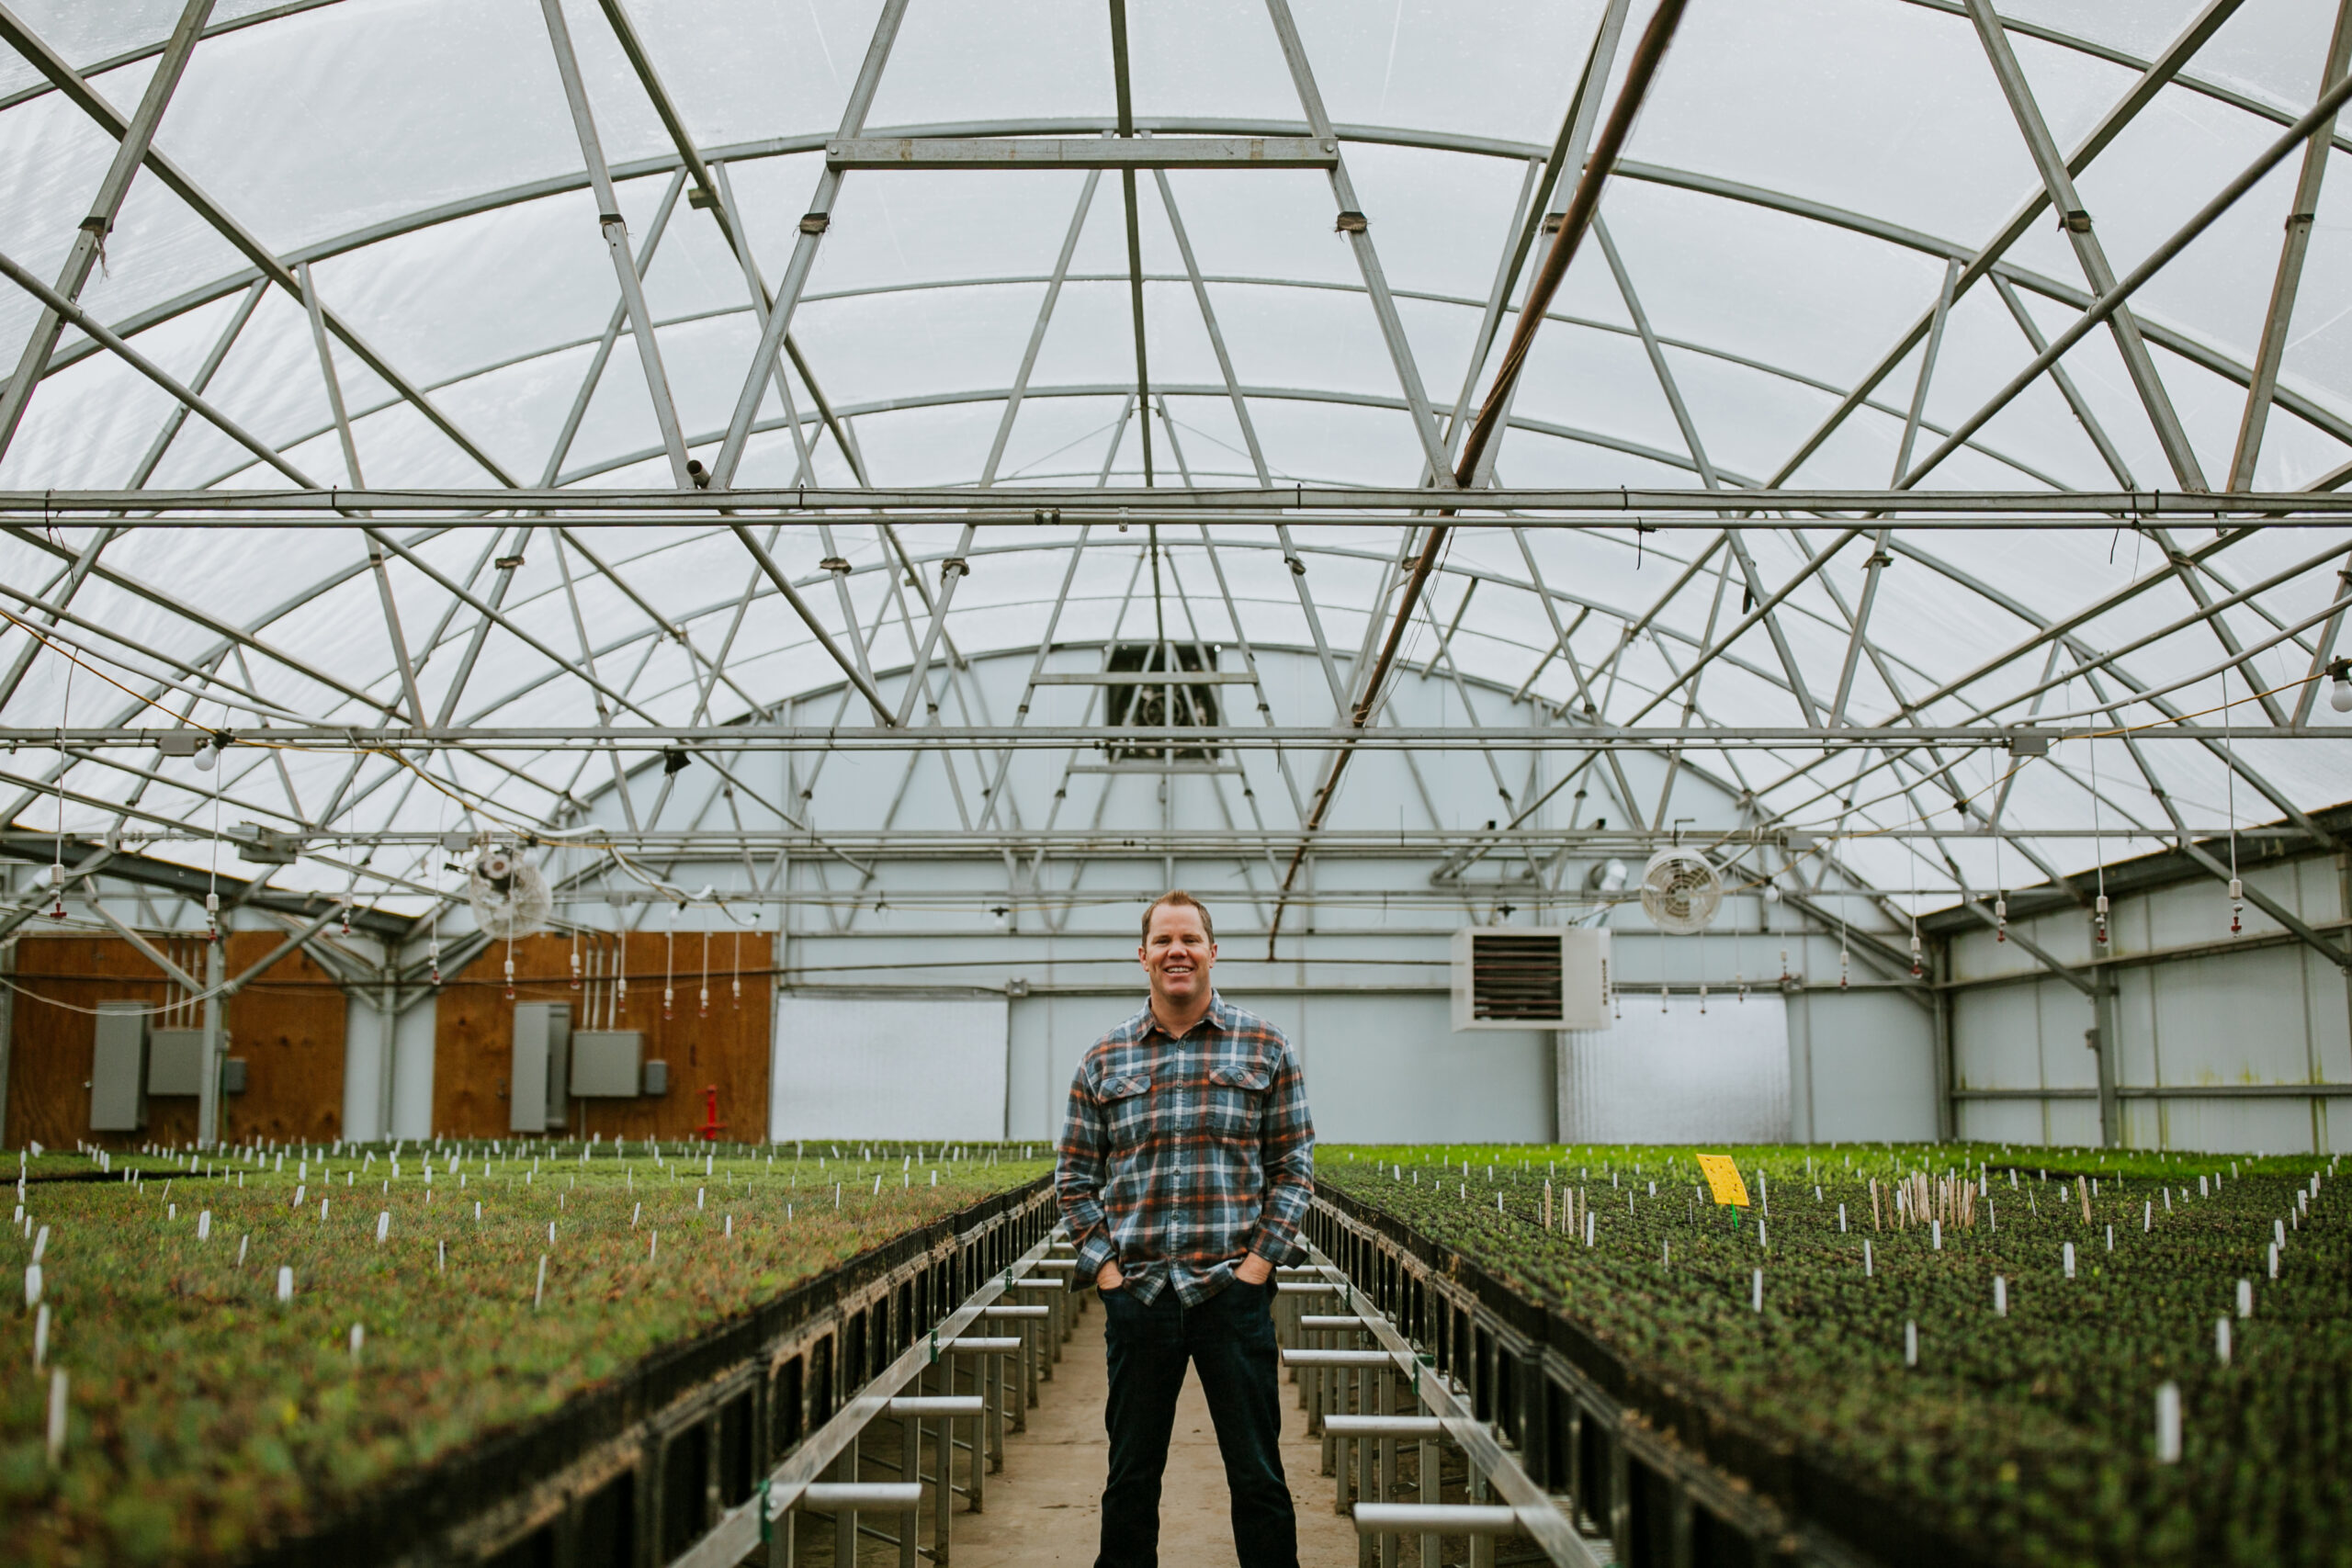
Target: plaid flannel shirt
{"x": 1180, "y": 1156}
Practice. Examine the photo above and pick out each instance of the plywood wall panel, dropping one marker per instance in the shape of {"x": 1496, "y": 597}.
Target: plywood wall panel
{"x": 287, "y": 1026}
{"x": 474, "y": 1033}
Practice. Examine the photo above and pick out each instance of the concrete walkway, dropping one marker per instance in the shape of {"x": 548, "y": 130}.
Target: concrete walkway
{"x": 1044, "y": 1508}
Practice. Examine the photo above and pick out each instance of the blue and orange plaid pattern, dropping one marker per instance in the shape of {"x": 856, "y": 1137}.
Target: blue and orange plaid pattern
{"x": 1181, "y": 1156}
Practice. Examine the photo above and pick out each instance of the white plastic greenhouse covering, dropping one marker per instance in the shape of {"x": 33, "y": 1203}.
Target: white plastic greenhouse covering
{"x": 1805, "y": 177}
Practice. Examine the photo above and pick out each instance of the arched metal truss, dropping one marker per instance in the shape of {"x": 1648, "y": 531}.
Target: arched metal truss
{"x": 434, "y": 649}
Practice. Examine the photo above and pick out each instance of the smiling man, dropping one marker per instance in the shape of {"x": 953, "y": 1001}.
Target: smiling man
{"x": 1186, "y": 1166}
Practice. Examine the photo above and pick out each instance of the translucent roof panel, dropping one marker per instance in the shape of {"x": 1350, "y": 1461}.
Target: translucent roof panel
{"x": 1828, "y": 248}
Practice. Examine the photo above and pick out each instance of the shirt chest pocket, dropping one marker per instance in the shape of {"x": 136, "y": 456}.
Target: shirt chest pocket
{"x": 1126, "y": 1108}
{"x": 1234, "y": 1103}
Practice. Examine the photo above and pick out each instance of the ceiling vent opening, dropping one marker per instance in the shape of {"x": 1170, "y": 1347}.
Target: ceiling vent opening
{"x": 1179, "y": 706}
{"x": 1522, "y": 977}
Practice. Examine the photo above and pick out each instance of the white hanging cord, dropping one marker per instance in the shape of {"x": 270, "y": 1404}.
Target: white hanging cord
{"x": 668, "y": 965}
{"x": 2000, "y": 883}
{"x": 57, "y": 867}
{"x": 1845, "y": 971}
{"x": 560, "y": 857}
{"x": 1917, "y": 968}
{"x": 702, "y": 1007}
{"x": 2099, "y": 850}
{"x": 212, "y": 888}
{"x": 2230, "y": 777}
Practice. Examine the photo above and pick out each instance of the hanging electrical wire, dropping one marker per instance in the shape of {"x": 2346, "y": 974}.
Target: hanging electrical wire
{"x": 702, "y": 1006}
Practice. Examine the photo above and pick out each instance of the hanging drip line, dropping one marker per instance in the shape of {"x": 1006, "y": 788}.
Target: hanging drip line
{"x": 737, "y": 976}
{"x": 2000, "y": 886}
{"x": 1844, "y": 967}
{"x": 57, "y": 867}
{"x": 2230, "y": 783}
{"x": 510, "y": 968}
{"x": 669, "y": 961}
{"x": 2098, "y": 851}
{"x": 213, "y": 886}
{"x": 703, "y": 1006}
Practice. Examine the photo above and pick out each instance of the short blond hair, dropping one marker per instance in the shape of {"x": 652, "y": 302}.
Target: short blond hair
{"x": 1177, "y": 896}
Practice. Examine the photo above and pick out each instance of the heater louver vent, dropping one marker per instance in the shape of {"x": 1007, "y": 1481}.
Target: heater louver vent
{"x": 1548, "y": 977}
{"x": 1514, "y": 977}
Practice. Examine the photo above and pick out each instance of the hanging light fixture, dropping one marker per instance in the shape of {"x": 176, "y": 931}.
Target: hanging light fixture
{"x": 2339, "y": 695}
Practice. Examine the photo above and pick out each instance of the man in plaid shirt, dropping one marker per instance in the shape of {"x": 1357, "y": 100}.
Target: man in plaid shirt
{"x": 1186, "y": 1166}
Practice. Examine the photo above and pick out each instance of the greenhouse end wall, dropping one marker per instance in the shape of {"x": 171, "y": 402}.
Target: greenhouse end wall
{"x": 2218, "y": 1041}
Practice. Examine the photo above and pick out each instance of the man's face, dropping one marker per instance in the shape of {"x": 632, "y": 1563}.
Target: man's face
{"x": 1178, "y": 954}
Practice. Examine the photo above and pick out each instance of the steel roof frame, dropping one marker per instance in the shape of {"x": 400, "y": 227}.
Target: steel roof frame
{"x": 1771, "y": 603}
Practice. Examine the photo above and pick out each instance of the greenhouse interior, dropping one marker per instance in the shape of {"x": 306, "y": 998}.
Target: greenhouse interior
{"x": 549, "y": 633}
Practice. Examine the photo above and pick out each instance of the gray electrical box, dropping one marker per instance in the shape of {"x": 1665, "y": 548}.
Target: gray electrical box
{"x": 605, "y": 1063}
{"x": 657, "y": 1079}
{"x": 176, "y": 1061}
{"x": 232, "y": 1076}
{"x": 119, "y": 1068}
{"x": 538, "y": 1098}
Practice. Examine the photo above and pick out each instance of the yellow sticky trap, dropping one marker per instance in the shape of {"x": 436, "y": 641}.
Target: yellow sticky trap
{"x": 1724, "y": 1179}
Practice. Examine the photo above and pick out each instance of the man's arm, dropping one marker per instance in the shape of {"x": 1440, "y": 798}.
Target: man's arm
{"x": 1286, "y": 1149}
{"x": 1082, "y": 1156}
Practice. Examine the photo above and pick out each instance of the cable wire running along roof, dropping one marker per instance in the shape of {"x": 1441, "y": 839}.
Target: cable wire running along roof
{"x": 435, "y": 417}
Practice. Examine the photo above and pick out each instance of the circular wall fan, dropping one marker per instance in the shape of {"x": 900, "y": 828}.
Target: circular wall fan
{"x": 509, "y": 894}
{"x": 1680, "y": 891}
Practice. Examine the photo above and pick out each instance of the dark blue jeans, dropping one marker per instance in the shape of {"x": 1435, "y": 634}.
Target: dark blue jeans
{"x": 1230, "y": 1337}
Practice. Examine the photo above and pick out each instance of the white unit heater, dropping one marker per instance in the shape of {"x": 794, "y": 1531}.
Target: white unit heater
{"x": 1531, "y": 977}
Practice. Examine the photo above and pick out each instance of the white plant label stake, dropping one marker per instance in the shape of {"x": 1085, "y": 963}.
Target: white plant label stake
{"x": 2000, "y": 1296}
{"x": 1910, "y": 1343}
{"x": 56, "y": 1417}
{"x": 540, "y": 1293}
{"x": 285, "y": 1283}
{"x": 2169, "y": 1423}
{"x": 383, "y": 1225}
